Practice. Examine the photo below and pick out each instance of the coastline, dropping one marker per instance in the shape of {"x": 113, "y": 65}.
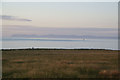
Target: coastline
{"x": 6, "y": 49}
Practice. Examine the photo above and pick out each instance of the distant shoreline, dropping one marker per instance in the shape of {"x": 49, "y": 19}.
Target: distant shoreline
{"x": 55, "y": 49}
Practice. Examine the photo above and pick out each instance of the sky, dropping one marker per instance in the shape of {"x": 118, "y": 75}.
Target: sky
{"x": 60, "y": 0}
{"x": 59, "y": 18}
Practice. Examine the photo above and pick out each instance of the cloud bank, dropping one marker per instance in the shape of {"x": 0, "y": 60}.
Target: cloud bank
{"x": 50, "y": 32}
{"x": 8, "y": 17}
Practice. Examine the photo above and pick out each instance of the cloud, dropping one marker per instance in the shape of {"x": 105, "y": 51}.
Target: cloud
{"x": 8, "y": 17}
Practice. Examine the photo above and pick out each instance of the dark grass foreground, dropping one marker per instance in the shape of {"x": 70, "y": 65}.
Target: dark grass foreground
{"x": 55, "y": 63}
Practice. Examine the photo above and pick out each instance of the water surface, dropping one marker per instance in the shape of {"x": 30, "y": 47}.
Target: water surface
{"x": 60, "y": 43}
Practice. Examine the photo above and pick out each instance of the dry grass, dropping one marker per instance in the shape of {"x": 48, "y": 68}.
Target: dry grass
{"x": 60, "y": 64}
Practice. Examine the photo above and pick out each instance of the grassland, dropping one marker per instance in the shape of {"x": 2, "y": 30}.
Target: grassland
{"x": 60, "y": 63}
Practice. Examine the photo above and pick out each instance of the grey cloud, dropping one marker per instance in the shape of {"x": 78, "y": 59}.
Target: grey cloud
{"x": 8, "y": 17}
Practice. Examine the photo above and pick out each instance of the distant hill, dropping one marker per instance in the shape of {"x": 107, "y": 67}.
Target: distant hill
{"x": 62, "y": 36}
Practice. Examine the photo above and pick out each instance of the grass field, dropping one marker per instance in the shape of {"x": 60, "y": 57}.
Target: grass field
{"x": 60, "y": 64}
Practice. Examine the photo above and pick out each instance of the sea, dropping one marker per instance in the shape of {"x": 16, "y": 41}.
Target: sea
{"x": 57, "y": 43}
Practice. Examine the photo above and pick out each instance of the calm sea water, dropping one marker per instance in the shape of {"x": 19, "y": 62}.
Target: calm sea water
{"x": 60, "y": 43}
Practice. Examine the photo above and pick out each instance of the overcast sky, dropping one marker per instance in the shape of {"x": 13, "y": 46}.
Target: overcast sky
{"x": 37, "y": 15}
